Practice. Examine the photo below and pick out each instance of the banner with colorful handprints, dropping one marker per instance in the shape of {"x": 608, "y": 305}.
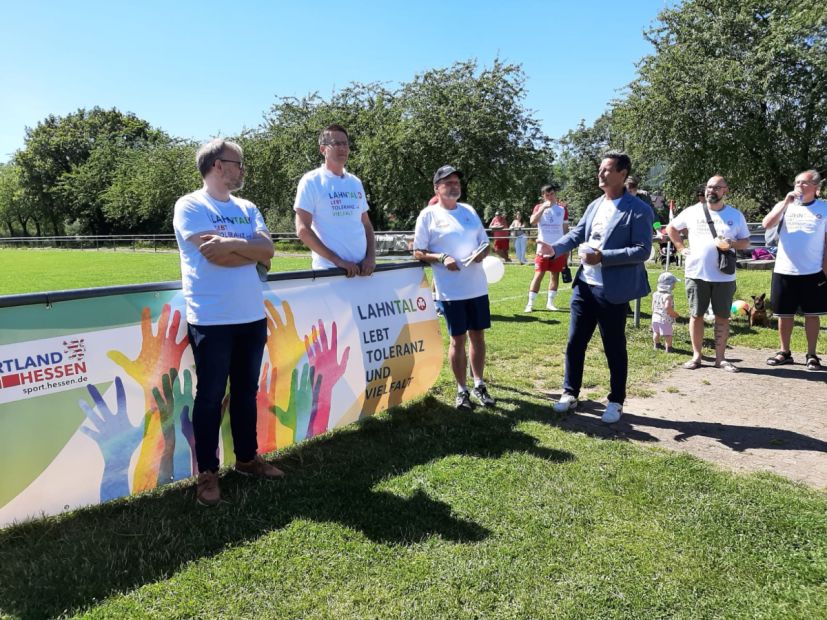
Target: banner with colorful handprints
{"x": 96, "y": 393}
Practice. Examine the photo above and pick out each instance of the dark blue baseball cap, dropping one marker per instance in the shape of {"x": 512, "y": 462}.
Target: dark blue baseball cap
{"x": 444, "y": 172}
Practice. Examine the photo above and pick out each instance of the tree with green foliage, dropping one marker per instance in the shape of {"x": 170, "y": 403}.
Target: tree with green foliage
{"x": 473, "y": 118}
{"x": 581, "y": 151}
{"x": 101, "y": 171}
{"x": 147, "y": 182}
{"x": 12, "y": 207}
{"x": 67, "y": 164}
{"x": 733, "y": 87}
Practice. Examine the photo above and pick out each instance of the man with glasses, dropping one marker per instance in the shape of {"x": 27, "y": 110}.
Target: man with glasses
{"x": 705, "y": 282}
{"x": 799, "y": 279}
{"x": 451, "y": 237}
{"x": 222, "y": 239}
{"x": 332, "y": 211}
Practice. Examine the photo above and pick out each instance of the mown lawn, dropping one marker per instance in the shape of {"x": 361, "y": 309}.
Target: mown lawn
{"x": 425, "y": 512}
{"x": 30, "y": 271}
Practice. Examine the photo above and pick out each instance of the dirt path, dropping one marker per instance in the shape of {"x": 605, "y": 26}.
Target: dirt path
{"x": 761, "y": 419}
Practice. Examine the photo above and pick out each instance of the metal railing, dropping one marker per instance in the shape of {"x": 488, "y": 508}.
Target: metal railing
{"x": 387, "y": 241}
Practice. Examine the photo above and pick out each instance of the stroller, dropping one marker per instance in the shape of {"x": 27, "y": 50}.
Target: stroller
{"x": 662, "y": 253}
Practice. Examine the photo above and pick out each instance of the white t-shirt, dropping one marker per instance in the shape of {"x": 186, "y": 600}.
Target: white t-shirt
{"x": 549, "y": 226}
{"x": 457, "y": 233}
{"x": 337, "y": 204}
{"x": 217, "y": 295}
{"x": 593, "y": 274}
{"x": 801, "y": 240}
{"x": 702, "y": 262}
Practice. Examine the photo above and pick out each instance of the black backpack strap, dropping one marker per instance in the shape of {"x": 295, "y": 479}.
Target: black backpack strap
{"x": 709, "y": 221}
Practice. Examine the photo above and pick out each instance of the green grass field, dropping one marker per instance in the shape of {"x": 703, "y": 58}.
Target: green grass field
{"x": 425, "y": 512}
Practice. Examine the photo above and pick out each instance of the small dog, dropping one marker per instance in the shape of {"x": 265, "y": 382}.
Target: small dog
{"x": 758, "y": 312}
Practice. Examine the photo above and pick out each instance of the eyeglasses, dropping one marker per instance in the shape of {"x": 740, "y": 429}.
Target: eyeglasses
{"x": 233, "y": 161}
{"x": 716, "y": 188}
{"x": 338, "y": 143}
{"x": 804, "y": 182}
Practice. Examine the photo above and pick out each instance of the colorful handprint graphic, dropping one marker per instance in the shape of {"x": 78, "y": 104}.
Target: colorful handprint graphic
{"x": 328, "y": 369}
{"x": 304, "y": 397}
{"x": 284, "y": 348}
{"x": 160, "y": 353}
{"x": 266, "y": 432}
{"x": 116, "y": 437}
{"x": 174, "y": 408}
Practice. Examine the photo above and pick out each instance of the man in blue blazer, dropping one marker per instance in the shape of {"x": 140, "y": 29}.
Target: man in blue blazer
{"x": 614, "y": 237}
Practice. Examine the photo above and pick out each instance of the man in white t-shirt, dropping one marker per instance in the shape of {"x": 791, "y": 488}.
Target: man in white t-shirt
{"x": 222, "y": 240}
{"x": 332, "y": 211}
{"x": 799, "y": 279}
{"x": 704, "y": 281}
{"x": 447, "y": 235}
{"x": 552, "y": 222}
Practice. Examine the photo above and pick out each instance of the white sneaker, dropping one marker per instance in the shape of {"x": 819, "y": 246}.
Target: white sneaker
{"x": 528, "y": 308}
{"x": 612, "y": 413}
{"x": 551, "y": 306}
{"x": 567, "y": 402}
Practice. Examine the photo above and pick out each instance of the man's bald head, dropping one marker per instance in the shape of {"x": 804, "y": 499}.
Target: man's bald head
{"x": 716, "y": 189}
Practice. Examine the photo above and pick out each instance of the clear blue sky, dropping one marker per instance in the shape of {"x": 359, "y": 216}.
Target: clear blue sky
{"x": 199, "y": 69}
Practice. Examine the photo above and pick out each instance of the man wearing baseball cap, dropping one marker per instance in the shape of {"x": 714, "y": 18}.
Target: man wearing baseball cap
{"x": 451, "y": 237}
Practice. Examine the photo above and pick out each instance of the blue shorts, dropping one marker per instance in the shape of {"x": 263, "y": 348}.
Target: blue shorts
{"x": 462, "y": 315}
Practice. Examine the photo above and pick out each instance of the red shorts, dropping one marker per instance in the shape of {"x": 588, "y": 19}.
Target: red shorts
{"x": 555, "y": 265}
{"x": 500, "y": 244}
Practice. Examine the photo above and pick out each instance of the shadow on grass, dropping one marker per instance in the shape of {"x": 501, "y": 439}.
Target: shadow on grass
{"x": 677, "y": 350}
{"x": 55, "y": 565}
{"x": 529, "y": 317}
{"x": 735, "y": 437}
{"x": 739, "y": 328}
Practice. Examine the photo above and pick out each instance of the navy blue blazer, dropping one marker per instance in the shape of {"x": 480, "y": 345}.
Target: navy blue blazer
{"x": 626, "y": 246}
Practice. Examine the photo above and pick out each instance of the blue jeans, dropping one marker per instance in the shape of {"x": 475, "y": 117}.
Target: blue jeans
{"x": 222, "y": 352}
{"x": 589, "y": 309}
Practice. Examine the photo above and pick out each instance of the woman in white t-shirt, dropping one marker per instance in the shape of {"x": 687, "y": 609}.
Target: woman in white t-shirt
{"x": 518, "y": 230}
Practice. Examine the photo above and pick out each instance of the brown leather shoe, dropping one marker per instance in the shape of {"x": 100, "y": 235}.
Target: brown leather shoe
{"x": 207, "y": 492}
{"x": 258, "y": 468}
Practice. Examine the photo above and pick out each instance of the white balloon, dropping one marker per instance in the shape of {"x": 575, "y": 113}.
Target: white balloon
{"x": 494, "y": 269}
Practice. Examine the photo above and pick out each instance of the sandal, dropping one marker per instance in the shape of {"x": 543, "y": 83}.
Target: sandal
{"x": 692, "y": 365}
{"x": 780, "y": 358}
{"x": 728, "y": 366}
{"x": 813, "y": 362}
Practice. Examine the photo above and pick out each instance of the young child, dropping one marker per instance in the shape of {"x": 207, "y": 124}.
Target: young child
{"x": 663, "y": 310}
